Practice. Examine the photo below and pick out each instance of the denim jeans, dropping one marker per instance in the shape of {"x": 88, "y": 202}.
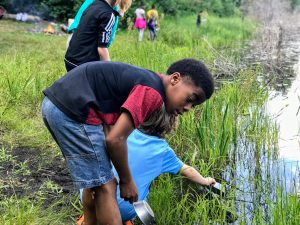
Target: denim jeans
{"x": 82, "y": 145}
{"x": 152, "y": 34}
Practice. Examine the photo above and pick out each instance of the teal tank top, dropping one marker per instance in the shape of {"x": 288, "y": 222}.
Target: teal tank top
{"x": 78, "y": 16}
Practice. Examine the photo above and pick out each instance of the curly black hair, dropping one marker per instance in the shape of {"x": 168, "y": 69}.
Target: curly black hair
{"x": 198, "y": 73}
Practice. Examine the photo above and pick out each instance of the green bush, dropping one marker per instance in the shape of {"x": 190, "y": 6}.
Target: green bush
{"x": 62, "y": 10}
{"x": 294, "y": 4}
{"x": 221, "y": 7}
{"x": 15, "y": 6}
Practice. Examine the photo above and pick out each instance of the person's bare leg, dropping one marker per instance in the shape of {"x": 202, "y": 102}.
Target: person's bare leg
{"x": 107, "y": 210}
{"x": 89, "y": 210}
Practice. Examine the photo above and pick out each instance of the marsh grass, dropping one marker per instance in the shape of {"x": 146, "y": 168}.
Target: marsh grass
{"x": 214, "y": 127}
{"x": 286, "y": 209}
{"x": 27, "y": 211}
{"x": 208, "y": 139}
{"x": 224, "y": 34}
{"x": 30, "y": 62}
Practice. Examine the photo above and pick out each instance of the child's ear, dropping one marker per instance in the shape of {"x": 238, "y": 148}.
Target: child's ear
{"x": 175, "y": 78}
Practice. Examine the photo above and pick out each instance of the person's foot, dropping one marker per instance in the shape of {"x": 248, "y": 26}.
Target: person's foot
{"x": 80, "y": 220}
{"x": 128, "y": 223}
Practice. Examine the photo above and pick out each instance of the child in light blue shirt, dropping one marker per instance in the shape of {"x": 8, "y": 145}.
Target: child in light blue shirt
{"x": 149, "y": 156}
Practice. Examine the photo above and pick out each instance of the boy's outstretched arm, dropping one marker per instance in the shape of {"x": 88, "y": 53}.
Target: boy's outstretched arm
{"x": 192, "y": 174}
{"x": 117, "y": 148}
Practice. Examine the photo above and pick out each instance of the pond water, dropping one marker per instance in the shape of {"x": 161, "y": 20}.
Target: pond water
{"x": 284, "y": 108}
{"x": 257, "y": 169}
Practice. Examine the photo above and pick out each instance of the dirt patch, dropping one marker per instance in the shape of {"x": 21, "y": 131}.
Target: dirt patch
{"x": 31, "y": 172}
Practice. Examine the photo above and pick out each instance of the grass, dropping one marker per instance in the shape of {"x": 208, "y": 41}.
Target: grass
{"x": 209, "y": 138}
{"x": 32, "y": 61}
{"x": 26, "y": 211}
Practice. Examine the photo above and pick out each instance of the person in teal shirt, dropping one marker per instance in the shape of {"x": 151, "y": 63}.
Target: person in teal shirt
{"x": 78, "y": 16}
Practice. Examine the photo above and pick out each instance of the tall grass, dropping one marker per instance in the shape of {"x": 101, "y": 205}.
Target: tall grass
{"x": 25, "y": 211}
{"x": 208, "y": 139}
{"x": 30, "y": 62}
{"x": 214, "y": 127}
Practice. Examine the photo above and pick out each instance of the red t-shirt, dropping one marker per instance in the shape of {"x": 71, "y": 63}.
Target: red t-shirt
{"x": 141, "y": 103}
{"x": 98, "y": 92}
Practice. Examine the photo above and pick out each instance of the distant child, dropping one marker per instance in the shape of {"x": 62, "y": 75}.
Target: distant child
{"x": 152, "y": 28}
{"x": 78, "y": 108}
{"x": 152, "y": 13}
{"x": 149, "y": 156}
{"x": 152, "y": 22}
{"x": 92, "y": 29}
{"x": 199, "y": 19}
{"x": 140, "y": 21}
{"x": 75, "y": 22}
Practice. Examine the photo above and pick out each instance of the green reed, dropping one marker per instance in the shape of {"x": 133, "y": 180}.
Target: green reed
{"x": 206, "y": 138}
{"x": 26, "y": 211}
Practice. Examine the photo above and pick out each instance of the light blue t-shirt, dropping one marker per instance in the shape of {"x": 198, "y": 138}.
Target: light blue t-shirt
{"x": 148, "y": 157}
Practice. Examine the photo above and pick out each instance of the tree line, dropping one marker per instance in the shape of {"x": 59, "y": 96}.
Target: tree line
{"x": 61, "y": 10}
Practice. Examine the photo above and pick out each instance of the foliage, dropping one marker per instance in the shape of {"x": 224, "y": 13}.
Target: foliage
{"x": 176, "y": 7}
{"x": 220, "y": 7}
{"x": 295, "y": 4}
{"x": 15, "y": 6}
{"x": 62, "y": 10}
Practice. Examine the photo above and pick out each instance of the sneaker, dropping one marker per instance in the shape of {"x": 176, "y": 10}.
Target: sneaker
{"x": 128, "y": 223}
{"x": 80, "y": 220}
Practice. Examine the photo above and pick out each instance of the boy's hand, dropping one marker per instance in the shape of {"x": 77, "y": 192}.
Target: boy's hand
{"x": 129, "y": 191}
{"x": 210, "y": 181}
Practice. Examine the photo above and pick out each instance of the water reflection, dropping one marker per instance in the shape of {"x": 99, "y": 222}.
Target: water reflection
{"x": 258, "y": 168}
{"x": 285, "y": 109}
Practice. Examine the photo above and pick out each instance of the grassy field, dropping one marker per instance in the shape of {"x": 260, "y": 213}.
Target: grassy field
{"x": 30, "y": 62}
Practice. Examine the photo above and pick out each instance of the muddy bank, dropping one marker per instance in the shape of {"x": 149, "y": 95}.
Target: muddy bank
{"x": 30, "y": 172}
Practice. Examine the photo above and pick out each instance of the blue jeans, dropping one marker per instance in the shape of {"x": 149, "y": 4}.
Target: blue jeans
{"x": 82, "y": 145}
{"x": 152, "y": 34}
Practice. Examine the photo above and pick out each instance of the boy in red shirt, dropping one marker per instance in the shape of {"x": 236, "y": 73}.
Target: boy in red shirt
{"x": 96, "y": 95}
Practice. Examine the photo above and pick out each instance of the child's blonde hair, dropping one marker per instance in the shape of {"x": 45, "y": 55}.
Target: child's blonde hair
{"x": 124, "y": 5}
{"x": 160, "y": 123}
